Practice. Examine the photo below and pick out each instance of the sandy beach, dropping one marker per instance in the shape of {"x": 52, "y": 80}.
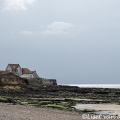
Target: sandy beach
{"x": 104, "y": 107}
{"x": 20, "y": 112}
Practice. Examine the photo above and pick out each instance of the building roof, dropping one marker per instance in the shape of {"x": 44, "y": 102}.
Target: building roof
{"x": 27, "y": 71}
{"x": 24, "y": 70}
{"x": 14, "y": 66}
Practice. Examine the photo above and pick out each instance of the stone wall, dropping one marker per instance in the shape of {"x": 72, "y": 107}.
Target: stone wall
{"x": 35, "y": 82}
{"x": 42, "y": 82}
{"x": 49, "y": 82}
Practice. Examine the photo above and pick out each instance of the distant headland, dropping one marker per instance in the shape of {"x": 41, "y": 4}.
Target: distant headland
{"x": 15, "y": 75}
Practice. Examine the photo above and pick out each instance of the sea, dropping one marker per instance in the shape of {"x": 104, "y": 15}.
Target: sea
{"x": 95, "y": 85}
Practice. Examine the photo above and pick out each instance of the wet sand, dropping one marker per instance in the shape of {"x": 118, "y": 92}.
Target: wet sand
{"x": 105, "y": 107}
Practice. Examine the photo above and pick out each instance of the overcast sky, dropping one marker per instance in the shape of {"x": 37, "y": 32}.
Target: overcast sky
{"x": 73, "y": 41}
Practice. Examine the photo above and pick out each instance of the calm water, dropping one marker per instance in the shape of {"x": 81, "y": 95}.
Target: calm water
{"x": 95, "y": 85}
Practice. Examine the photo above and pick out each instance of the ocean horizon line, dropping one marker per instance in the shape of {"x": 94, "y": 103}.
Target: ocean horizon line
{"x": 94, "y": 85}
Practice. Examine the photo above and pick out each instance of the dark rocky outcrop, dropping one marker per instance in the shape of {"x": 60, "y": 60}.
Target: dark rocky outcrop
{"x": 11, "y": 79}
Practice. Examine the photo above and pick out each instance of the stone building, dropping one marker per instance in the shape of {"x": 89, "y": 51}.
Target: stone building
{"x": 26, "y": 73}
{"x": 21, "y": 72}
{"x": 14, "y": 68}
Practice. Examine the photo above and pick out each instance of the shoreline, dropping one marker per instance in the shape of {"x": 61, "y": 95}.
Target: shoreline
{"x": 61, "y": 97}
{"x": 108, "y": 108}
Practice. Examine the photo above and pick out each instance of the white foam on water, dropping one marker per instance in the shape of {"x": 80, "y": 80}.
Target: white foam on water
{"x": 95, "y": 85}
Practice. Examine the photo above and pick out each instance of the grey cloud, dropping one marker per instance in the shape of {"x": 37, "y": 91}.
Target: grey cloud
{"x": 15, "y": 4}
{"x": 56, "y": 28}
